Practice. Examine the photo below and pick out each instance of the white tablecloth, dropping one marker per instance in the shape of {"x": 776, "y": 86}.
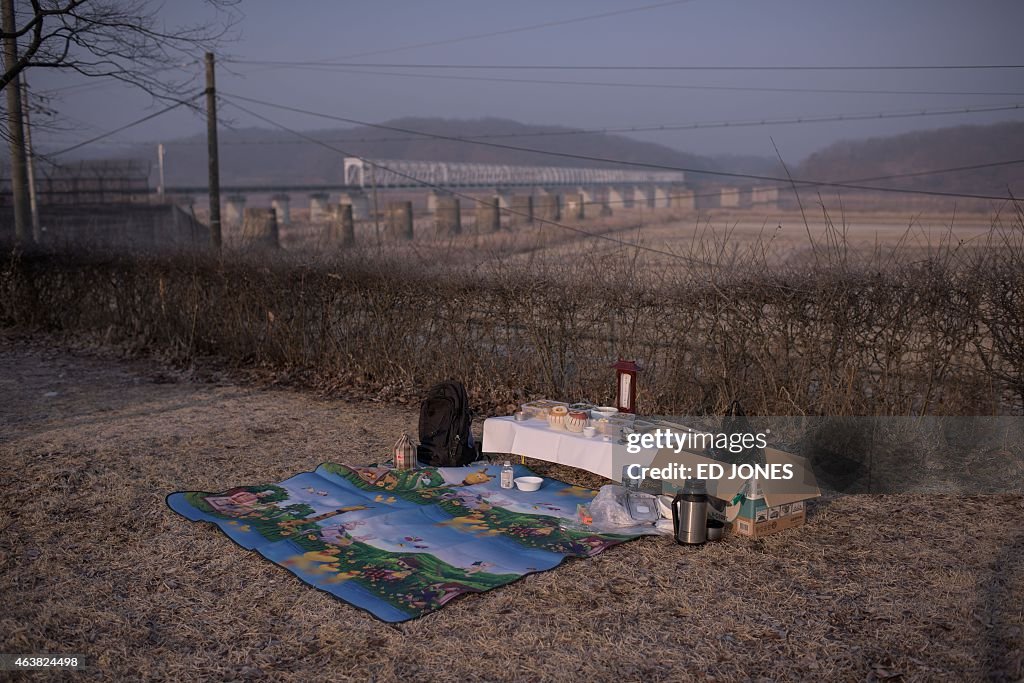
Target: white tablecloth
{"x": 535, "y": 439}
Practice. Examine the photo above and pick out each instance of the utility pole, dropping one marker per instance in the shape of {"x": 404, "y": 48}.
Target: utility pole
{"x": 30, "y": 166}
{"x": 160, "y": 167}
{"x": 19, "y": 176}
{"x": 211, "y": 145}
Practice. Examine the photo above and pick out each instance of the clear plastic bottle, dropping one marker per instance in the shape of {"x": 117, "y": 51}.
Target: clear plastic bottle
{"x": 507, "y": 475}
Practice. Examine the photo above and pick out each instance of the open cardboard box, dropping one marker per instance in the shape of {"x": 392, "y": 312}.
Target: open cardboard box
{"x": 766, "y": 506}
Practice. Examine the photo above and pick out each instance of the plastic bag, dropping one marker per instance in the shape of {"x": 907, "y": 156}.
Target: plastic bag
{"x": 610, "y": 511}
{"x": 609, "y": 507}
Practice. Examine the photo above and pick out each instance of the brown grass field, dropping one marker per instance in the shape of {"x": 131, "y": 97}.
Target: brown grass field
{"x": 123, "y": 380}
{"x": 92, "y": 562}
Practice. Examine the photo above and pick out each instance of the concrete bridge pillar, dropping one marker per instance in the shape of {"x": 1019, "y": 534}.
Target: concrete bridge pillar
{"x": 661, "y": 197}
{"x": 234, "y": 210}
{"x": 574, "y": 206}
{"x": 400, "y": 220}
{"x": 488, "y": 215}
{"x": 447, "y": 217}
{"x": 259, "y": 229}
{"x": 765, "y": 196}
{"x": 521, "y": 210}
{"x": 359, "y": 202}
{"x": 549, "y": 206}
{"x": 682, "y": 199}
{"x": 729, "y": 198}
{"x": 504, "y": 198}
{"x": 589, "y": 195}
{"x": 318, "y": 207}
{"x": 435, "y": 198}
{"x": 619, "y": 198}
{"x": 643, "y": 197}
{"x": 340, "y": 226}
{"x": 282, "y": 207}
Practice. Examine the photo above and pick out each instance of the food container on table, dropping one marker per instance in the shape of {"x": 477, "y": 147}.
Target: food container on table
{"x": 643, "y": 426}
{"x": 576, "y": 420}
{"x": 604, "y": 411}
{"x": 622, "y": 419}
{"x": 539, "y": 409}
{"x": 556, "y": 416}
{"x": 584, "y": 406}
{"x": 605, "y": 427}
{"x": 643, "y": 507}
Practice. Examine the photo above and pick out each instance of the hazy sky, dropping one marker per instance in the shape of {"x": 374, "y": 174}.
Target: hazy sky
{"x": 698, "y": 32}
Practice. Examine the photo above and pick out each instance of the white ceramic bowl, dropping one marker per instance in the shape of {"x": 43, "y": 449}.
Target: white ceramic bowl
{"x": 604, "y": 411}
{"x": 528, "y": 483}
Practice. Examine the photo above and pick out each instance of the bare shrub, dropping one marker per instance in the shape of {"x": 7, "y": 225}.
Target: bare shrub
{"x": 935, "y": 329}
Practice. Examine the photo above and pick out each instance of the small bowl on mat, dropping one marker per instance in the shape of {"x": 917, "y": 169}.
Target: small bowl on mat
{"x": 528, "y": 483}
{"x": 604, "y": 411}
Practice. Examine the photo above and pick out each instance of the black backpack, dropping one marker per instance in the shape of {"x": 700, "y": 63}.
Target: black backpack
{"x": 736, "y": 422}
{"x": 446, "y": 437}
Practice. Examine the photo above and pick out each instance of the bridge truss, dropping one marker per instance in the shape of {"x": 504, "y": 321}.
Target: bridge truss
{"x": 393, "y": 173}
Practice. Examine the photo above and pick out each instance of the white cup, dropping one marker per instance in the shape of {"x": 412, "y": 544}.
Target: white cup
{"x": 589, "y": 431}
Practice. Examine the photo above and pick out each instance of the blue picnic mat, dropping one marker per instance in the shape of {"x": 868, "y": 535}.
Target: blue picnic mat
{"x": 401, "y": 544}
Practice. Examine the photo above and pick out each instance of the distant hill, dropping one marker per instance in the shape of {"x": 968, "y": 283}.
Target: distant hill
{"x": 928, "y": 150}
{"x": 256, "y": 155}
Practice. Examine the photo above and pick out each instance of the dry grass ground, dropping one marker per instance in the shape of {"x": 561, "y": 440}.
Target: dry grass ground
{"x": 773, "y": 237}
{"x": 92, "y": 561}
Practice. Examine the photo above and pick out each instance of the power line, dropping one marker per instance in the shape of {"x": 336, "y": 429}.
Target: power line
{"x": 126, "y": 126}
{"x": 977, "y": 109}
{"x": 666, "y": 86}
{"x": 469, "y": 197}
{"x": 628, "y": 67}
{"x": 604, "y": 160}
{"x": 894, "y": 176}
{"x": 518, "y": 29}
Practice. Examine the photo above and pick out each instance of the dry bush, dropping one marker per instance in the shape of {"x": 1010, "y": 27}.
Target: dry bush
{"x": 922, "y": 329}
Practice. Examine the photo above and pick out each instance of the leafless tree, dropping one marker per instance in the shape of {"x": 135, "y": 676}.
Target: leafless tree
{"x": 122, "y": 39}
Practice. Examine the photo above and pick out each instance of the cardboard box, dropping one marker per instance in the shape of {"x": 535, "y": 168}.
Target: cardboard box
{"x": 754, "y": 507}
{"x": 756, "y": 518}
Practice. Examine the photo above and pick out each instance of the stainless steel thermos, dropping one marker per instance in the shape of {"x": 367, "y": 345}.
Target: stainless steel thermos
{"x": 690, "y": 513}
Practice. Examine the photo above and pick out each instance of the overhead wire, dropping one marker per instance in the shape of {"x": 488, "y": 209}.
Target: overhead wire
{"x": 126, "y": 126}
{"x": 785, "y": 182}
{"x": 810, "y": 184}
{"x": 631, "y": 67}
{"x": 868, "y": 116}
{"x": 517, "y": 29}
{"x": 670, "y": 86}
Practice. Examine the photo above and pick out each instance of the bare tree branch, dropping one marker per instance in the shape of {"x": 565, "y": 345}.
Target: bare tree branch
{"x": 122, "y": 39}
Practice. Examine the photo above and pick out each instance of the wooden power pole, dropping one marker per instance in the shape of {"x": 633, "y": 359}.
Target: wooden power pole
{"x": 211, "y": 146}
{"x": 33, "y": 200}
{"x": 19, "y": 174}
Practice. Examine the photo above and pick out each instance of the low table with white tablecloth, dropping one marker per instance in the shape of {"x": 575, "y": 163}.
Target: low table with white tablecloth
{"x": 536, "y": 439}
